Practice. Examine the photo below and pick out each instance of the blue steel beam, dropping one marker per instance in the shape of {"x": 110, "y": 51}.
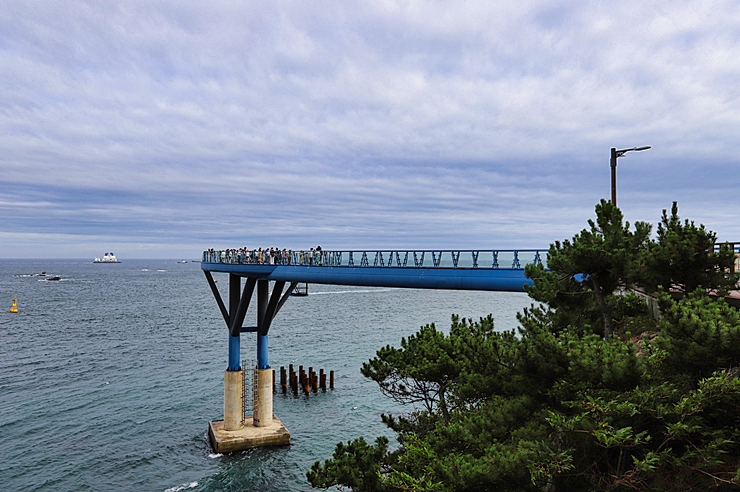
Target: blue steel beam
{"x": 488, "y": 279}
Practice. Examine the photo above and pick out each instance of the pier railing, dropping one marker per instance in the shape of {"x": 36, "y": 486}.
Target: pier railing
{"x": 489, "y": 259}
{"x": 735, "y": 247}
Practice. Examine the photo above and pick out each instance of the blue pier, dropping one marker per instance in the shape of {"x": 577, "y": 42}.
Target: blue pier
{"x": 487, "y": 270}
{"x": 490, "y": 270}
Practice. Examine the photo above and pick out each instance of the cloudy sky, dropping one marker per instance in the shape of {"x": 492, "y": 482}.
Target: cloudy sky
{"x": 161, "y": 128}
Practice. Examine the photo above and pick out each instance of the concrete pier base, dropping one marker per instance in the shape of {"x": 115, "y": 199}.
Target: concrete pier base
{"x": 262, "y": 402}
{"x": 233, "y": 400}
{"x": 248, "y": 436}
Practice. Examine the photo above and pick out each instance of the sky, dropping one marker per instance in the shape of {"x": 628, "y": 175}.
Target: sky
{"x": 158, "y": 129}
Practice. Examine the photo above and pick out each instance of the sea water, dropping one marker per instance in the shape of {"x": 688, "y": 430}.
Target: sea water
{"x": 109, "y": 376}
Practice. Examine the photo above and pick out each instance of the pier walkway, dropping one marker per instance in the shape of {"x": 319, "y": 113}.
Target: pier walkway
{"x": 489, "y": 270}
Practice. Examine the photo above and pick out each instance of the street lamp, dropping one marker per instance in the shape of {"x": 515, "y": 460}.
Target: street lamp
{"x": 615, "y": 155}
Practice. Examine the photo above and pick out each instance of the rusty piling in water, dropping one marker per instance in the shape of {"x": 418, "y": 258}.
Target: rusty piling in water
{"x": 309, "y": 381}
{"x": 283, "y": 383}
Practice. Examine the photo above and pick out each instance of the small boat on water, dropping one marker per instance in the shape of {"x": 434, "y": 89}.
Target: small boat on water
{"x": 183, "y": 261}
{"x": 107, "y": 258}
{"x": 300, "y": 290}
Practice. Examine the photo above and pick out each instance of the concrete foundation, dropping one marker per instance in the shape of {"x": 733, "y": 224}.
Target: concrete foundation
{"x": 262, "y": 401}
{"x": 249, "y": 436}
{"x": 233, "y": 400}
{"x": 235, "y": 432}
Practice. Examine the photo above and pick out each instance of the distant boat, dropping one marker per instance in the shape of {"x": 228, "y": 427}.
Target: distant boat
{"x": 107, "y": 258}
{"x": 183, "y": 261}
{"x": 300, "y": 290}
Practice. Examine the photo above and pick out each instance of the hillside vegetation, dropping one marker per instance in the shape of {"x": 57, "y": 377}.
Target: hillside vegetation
{"x": 592, "y": 393}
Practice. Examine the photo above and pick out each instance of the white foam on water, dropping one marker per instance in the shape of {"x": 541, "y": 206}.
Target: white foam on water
{"x": 215, "y": 455}
{"x": 144, "y": 269}
{"x": 348, "y": 292}
{"x": 161, "y": 270}
{"x": 190, "y": 485}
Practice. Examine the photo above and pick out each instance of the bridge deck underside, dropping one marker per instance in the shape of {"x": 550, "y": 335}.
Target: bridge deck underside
{"x": 504, "y": 279}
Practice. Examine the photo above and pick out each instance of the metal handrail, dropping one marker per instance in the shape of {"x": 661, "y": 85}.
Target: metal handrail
{"x": 386, "y": 258}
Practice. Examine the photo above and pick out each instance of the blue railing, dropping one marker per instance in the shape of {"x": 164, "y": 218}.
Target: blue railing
{"x": 489, "y": 259}
{"x": 734, "y": 246}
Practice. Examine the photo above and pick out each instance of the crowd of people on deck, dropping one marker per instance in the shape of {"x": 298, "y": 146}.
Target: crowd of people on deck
{"x": 267, "y": 256}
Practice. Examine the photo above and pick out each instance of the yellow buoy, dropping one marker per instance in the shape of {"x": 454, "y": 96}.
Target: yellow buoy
{"x": 14, "y": 307}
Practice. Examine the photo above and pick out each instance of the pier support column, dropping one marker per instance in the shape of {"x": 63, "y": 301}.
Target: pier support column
{"x": 262, "y": 402}
{"x": 234, "y": 375}
{"x": 262, "y": 412}
{"x": 233, "y": 400}
{"x": 237, "y": 432}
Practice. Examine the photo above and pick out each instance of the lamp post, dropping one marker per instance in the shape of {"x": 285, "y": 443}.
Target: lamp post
{"x": 616, "y": 154}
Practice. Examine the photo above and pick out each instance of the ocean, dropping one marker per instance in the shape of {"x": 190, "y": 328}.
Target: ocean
{"x": 109, "y": 376}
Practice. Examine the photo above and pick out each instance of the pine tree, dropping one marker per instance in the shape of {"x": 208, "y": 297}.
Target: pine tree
{"x": 570, "y": 402}
{"x": 684, "y": 258}
{"x": 585, "y": 272}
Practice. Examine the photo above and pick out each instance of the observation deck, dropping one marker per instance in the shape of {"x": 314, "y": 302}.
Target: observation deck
{"x": 486, "y": 270}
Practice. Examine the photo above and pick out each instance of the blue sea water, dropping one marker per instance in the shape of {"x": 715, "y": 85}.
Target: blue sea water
{"x": 109, "y": 376}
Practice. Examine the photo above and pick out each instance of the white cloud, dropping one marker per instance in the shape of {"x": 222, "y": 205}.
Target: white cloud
{"x": 415, "y": 121}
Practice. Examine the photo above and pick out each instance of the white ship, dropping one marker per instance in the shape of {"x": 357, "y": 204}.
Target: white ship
{"x": 107, "y": 258}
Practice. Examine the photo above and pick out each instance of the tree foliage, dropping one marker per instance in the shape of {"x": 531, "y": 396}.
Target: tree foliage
{"x": 684, "y": 258}
{"x": 571, "y": 401}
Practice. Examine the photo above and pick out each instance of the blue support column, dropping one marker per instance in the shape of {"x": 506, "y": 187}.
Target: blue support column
{"x": 262, "y": 299}
{"x": 234, "y": 342}
{"x": 262, "y": 362}
{"x": 234, "y": 354}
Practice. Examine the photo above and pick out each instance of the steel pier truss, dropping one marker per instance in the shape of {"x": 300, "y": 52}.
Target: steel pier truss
{"x": 268, "y": 305}
{"x": 490, "y": 270}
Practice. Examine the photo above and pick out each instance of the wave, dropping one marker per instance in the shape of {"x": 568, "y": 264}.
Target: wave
{"x": 349, "y": 291}
{"x": 190, "y": 485}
